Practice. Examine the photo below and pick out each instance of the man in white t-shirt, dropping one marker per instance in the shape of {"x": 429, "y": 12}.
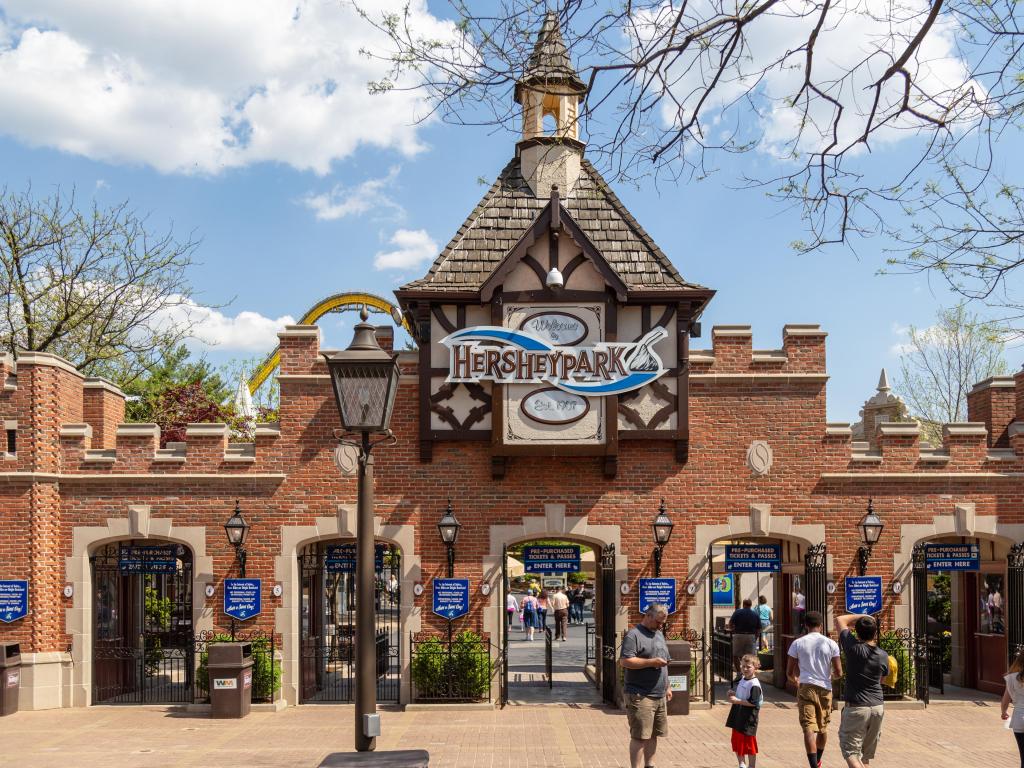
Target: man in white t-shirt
{"x": 813, "y": 662}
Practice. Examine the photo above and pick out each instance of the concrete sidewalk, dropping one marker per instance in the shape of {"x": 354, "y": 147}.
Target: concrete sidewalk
{"x": 517, "y": 737}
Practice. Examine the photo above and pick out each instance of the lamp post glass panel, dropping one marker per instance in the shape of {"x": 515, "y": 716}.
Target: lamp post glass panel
{"x": 365, "y": 380}
{"x": 662, "y": 533}
{"x": 871, "y": 527}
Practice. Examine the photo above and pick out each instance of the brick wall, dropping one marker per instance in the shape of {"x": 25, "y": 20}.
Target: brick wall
{"x": 815, "y": 479}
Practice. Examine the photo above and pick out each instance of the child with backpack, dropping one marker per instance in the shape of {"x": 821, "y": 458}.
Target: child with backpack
{"x": 746, "y": 697}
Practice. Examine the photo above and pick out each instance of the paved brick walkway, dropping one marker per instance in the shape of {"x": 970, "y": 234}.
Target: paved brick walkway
{"x": 518, "y": 737}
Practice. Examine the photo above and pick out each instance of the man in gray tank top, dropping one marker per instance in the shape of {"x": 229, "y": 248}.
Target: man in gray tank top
{"x": 644, "y": 658}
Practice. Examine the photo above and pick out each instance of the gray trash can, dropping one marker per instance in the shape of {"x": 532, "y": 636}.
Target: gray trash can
{"x": 10, "y": 677}
{"x": 229, "y": 666}
{"x": 679, "y": 664}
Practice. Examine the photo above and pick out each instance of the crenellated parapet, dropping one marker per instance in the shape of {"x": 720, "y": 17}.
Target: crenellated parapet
{"x": 206, "y": 450}
{"x": 732, "y": 354}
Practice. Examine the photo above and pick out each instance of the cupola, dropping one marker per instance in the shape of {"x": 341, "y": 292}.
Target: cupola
{"x": 550, "y": 92}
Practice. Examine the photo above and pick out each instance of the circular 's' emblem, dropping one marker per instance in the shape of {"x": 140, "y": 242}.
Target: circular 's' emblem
{"x": 760, "y": 457}
{"x": 346, "y": 459}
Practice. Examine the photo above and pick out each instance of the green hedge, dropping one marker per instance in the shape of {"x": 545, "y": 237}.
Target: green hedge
{"x": 464, "y": 673}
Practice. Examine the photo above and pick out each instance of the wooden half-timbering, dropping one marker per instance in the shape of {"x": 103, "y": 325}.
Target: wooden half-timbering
{"x": 552, "y": 252}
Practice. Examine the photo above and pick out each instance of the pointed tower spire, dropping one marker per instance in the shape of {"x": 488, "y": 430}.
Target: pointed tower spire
{"x": 883, "y": 382}
{"x": 549, "y": 64}
{"x": 550, "y": 87}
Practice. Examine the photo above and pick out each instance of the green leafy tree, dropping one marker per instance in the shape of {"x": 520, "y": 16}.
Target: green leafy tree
{"x": 97, "y": 286}
{"x": 173, "y": 367}
{"x": 942, "y": 363}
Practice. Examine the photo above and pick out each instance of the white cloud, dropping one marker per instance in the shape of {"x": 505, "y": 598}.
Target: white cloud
{"x": 412, "y": 248}
{"x": 246, "y": 331}
{"x": 198, "y": 86}
{"x": 341, "y": 201}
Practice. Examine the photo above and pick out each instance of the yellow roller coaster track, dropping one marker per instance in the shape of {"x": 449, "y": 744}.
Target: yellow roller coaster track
{"x": 337, "y": 303}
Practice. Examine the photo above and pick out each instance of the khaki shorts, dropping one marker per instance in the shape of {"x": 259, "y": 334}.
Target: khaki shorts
{"x": 859, "y": 730}
{"x": 647, "y": 717}
{"x": 815, "y": 706}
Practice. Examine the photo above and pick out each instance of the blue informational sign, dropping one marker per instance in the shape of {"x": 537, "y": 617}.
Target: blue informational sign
{"x": 723, "y": 590}
{"x": 148, "y": 558}
{"x": 863, "y": 594}
{"x": 560, "y": 558}
{"x": 753, "y": 558}
{"x": 13, "y": 600}
{"x": 451, "y": 597}
{"x": 658, "y": 591}
{"x": 242, "y": 598}
{"x": 341, "y": 558}
{"x": 952, "y": 557}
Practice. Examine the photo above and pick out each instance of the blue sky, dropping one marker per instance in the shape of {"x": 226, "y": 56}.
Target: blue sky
{"x": 321, "y": 193}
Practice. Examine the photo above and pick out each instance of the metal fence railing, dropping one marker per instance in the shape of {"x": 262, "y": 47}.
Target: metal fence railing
{"x": 591, "y": 644}
{"x": 459, "y": 670}
{"x": 266, "y": 670}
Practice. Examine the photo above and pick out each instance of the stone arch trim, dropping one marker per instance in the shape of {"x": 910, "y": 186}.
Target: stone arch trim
{"x": 759, "y": 521}
{"x": 286, "y": 572}
{"x": 137, "y": 524}
{"x": 961, "y": 521}
{"x": 554, "y": 523}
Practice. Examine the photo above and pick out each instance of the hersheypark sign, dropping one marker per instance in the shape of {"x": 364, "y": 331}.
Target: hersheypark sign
{"x": 506, "y": 356}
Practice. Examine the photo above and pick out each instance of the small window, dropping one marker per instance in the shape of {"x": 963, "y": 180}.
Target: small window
{"x": 12, "y": 441}
{"x": 550, "y": 124}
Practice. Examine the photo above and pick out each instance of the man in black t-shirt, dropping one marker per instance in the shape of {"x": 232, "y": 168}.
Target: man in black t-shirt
{"x": 866, "y": 666}
{"x": 745, "y": 625}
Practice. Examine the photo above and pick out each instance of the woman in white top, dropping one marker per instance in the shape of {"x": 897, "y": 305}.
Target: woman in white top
{"x": 1014, "y": 694}
{"x": 511, "y": 608}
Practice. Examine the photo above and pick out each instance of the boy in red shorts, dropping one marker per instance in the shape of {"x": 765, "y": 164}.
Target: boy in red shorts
{"x": 746, "y": 698}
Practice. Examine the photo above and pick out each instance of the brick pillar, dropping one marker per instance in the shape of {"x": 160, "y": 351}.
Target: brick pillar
{"x": 103, "y": 406}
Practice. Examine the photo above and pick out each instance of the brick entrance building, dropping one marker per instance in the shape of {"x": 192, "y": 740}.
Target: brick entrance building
{"x": 733, "y": 439}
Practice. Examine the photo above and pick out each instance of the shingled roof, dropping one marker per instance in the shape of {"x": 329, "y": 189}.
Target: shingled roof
{"x": 509, "y": 208}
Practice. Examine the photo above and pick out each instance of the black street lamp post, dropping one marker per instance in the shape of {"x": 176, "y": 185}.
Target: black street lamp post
{"x": 662, "y": 533}
{"x": 365, "y": 379}
{"x": 870, "y": 531}
{"x": 237, "y": 530}
{"x": 449, "y": 528}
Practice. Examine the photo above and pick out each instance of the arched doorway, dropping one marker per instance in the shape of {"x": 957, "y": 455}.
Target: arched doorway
{"x": 143, "y": 638}
{"x": 783, "y": 578}
{"x": 563, "y": 663}
{"x": 327, "y": 618}
{"x": 962, "y": 604}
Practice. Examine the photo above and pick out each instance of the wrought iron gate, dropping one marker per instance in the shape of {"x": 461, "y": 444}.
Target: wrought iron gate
{"x": 923, "y": 671}
{"x": 506, "y": 620}
{"x": 1015, "y": 601}
{"x": 143, "y": 642}
{"x": 327, "y": 622}
{"x": 609, "y": 672}
{"x": 816, "y": 579}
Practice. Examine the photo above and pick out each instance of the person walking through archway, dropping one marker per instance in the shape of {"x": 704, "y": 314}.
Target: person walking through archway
{"x": 511, "y": 608}
{"x": 745, "y": 625}
{"x": 644, "y": 659}
{"x": 866, "y": 666}
{"x": 531, "y": 620}
{"x": 813, "y": 662}
{"x": 767, "y": 617}
{"x": 560, "y": 605}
